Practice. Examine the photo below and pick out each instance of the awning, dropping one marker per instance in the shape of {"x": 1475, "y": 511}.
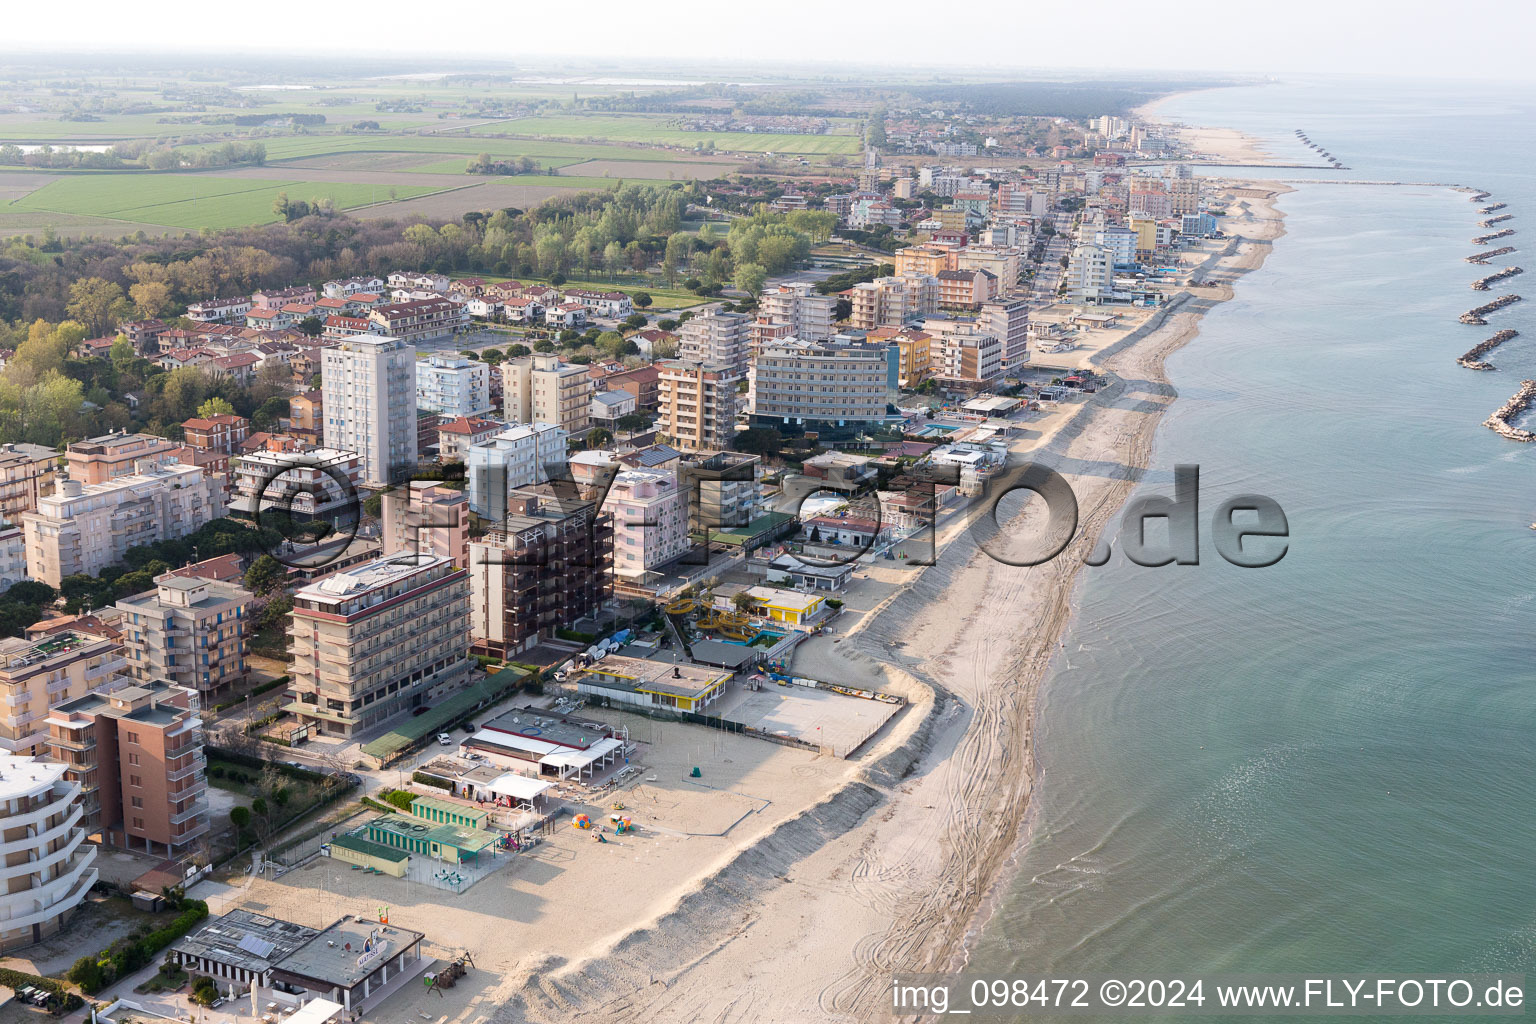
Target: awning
{"x": 581, "y": 758}
{"x": 518, "y": 787}
{"x": 510, "y": 741}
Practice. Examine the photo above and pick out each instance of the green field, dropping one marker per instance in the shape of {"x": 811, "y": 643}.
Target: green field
{"x": 192, "y": 201}
{"x": 656, "y": 131}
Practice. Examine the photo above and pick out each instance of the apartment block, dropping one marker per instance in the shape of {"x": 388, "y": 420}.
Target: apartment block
{"x": 427, "y": 518}
{"x": 541, "y": 389}
{"x": 927, "y": 260}
{"x": 966, "y": 289}
{"x": 26, "y": 474}
{"x": 722, "y": 490}
{"x": 49, "y": 868}
{"x": 834, "y": 389}
{"x": 376, "y": 641}
{"x": 714, "y": 337}
{"x": 697, "y": 404}
{"x": 370, "y": 405}
{"x": 306, "y": 416}
{"x": 807, "y": 314}
{"x": 1003, "y": 262}
{"x": 13, "y": 555}
{"x": 453, "y": 386}
{"x": 320, "y": 483}
{"x": 419, "y": 320}
{"x": 650, "y": 521}
{"x": 517, "y": 457}
{"x": 1090, "y": 274}
{"x": 1009, "y": 320}
{"x": 41, "y": 672}
{"x": 85, "y": 528}
{"x": 965, "y": 354}
{"x": 222, "y": 433}
{"x": 913, "y": 353}
{"x": 889, "y": 301}
{"x": 98, "y": 460}
{"x": 188, "y": 631}
{"x": 137, "y": 755}
{"x": 546, "y": 566}
{"x": 455, "y": 437}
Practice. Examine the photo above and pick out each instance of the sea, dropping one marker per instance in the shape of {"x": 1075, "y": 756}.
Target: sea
{"x": 1327, "y": 765}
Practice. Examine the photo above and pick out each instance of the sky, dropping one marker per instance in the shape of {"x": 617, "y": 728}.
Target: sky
{"x": 1489, "y": 39}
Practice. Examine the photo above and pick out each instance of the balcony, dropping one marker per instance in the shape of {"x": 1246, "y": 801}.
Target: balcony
{"x": 196, "y": 764}
{"x": 34, "y": 906}
{"x": 192, "y": 810}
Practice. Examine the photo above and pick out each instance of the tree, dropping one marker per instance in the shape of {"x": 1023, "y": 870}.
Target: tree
{"x": 312, "y": 326}
{"x": 750, "y": 278}
{"x": 151, "y": 298}
{"x": 215, "y": 406}
{"x": 598, "y": 436}
{"x": 842, "y": 309}
{"x": 96, "y": 303}
{"x": 612, "y": 344}
{"x": 121, "y": 351}
{"x": 265, "y": 575}
{"x": 743, "y": 602}
{"x": 240, "y": 817}
{"x": 642, "y": 300}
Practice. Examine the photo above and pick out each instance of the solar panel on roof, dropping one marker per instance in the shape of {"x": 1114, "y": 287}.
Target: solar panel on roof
{"x": 257, "y": 947}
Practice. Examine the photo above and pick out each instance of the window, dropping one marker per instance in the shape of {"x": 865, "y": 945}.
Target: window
{"x": 138, "y": 823}
{"x": 133, "y": 758}
{"x": 136, "y": 781}
{"x": 133, "y": 737}
{"x": 137, "y": 801}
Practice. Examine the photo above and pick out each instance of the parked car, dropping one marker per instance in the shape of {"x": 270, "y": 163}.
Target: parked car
{"x": 444, "y": 739}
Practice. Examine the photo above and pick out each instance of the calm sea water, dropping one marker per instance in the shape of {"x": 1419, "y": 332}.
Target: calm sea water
{"x": 1328, "y": 765}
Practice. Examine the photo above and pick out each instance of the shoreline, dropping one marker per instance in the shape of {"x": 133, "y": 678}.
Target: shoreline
{"x": 902, "y": 867}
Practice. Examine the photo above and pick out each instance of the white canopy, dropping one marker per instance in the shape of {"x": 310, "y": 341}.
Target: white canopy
{"x": 581, "y": 758}
{"x": 316, "y": 1011}
{"x": 518, "y": 787}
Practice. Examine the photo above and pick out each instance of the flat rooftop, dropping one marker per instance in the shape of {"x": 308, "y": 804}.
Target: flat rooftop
{"x": 21, "y": 775}
{"x": 369, "y": 576}
{"x": 644, "y": 675}
{"x": 331, "y": 956}
{"x": 549, "y": 727}
{"x": 245, "y": 939}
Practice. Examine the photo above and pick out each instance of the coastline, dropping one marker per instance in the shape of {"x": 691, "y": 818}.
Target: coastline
{"x": 901, "y": 867}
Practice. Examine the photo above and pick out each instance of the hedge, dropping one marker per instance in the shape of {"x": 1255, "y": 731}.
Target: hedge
{"x": 399, "y": 798}
{"x": 369, "y": 801}
{"x": 575, "y": 635}
{"x": 431, "y": 780}
{"x": 122, "y": 958}
{"x": 62, "y": 998}
{"x": 235, "y": 757}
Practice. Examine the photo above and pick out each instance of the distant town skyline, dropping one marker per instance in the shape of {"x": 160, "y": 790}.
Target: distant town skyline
{"x": 1305, "y": 36}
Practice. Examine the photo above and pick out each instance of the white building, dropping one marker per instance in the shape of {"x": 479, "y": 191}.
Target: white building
{"x": 453, "y": 386}
{"x": 317, "y": 484}
{"x": 370, "y": 405}
{"x": 715, "y": 337}
{"x": 1090, "y": 275}
{"x": 517, "y": 457}
{"x": 807, "y": 314}
{"x": 650, "y": 521}
{"x": 13, "y": 556}
{"x": 1120, "y": 241}
{"x": 48, "y": 868}
{"x": 610, "y": 406}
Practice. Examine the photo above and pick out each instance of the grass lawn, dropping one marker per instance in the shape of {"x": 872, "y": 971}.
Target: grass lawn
{"x": 548, "y": 153}
{"x": 656, "y": 130}
{"x": 193, "y": 201}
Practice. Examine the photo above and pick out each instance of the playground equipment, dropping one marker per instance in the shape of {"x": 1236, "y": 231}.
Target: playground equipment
{"x": 581, "y": 821}
{"x": 680, "y": 605}
{"x": 449, "y": 975}
{"x": 621, "y": 824}
{"x": 733, "y": 624}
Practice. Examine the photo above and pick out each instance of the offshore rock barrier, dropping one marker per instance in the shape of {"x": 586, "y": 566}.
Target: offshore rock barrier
{"x": 1494, "y": 208}
{"x": 1482, "y": 283}
{"x": 1485, "y": 239}
{"x": 1501, "y": 218}
{"x": 1499, "y": 421}
{"x": 1484, "y": 257}
{"x": 1320, "y": 151}
{"x": 1478, "y": 197}
{"x": 1472, "y": 360}
{"x": 1475, "y": 316}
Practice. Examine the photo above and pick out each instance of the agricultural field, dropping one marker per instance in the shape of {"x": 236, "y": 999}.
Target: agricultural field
{"x": 191, "y": 201}
{"x": 657, "y": 130}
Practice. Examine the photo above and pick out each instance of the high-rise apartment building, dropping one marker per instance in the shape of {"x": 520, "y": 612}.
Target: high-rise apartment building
{"x": 1090, "y": 275}
{"x": 48, "y": 870}
{"x": 650, "y": 521}
{"x": 807, "y": 314}
{"x": 519, "y": 456}
{"x": 370, "y": 405}
{"x": 377, "y": 640}
{"x": 36, "y": 674}
{"x": 187, "y": 631}
{"x": 26, "y": 474}
{"x": 965, "y": 354}
{"x": 834, "y": 388}
{"x": 545, "y": 566}
{"x": 913, "y": 351}
{"x": 427, "y": 518}
{"x": 1009, "y": 320}
{"x": 541, "y": 389}
{"x": 723, "y": 338}
{"x": 85, "y": 528}
{"x": 453, "y": 386}
{"x": 137, "y": 755}
{"x": 698, "y": 404}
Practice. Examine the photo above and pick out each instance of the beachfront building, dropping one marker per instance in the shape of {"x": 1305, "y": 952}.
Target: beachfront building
{"x": 835, "y": 389}
{"x": 797, "y": 306}
{"x": 720, "y": 338}
{"x": 1009, "y": 320}
{"x": 542, "y": 389}
{"x": 697, "y": 404}
{"x": 519, "y": 456}
{"x": 965, "y": 355}
{"x": 137, "y": 754}
{"x": 544, "y": 566}
{"x": 1090, "y": 275}
{"x": 453, "y": 386}
{"x": 370, "y": 405}
{"x": 427, "y": 518}
{"x": 650, "y": 521}
{"x": 85, "y": 528}
{"x": 640, "y": 682}
{"x": 722, "y": 490}
{"x": 376, "y": 641}
{"x": 48, "y": 870}
{"x": 188, "y": 631}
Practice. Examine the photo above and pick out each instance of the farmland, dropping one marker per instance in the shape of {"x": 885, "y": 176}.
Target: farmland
{"x": 661, "y": 131}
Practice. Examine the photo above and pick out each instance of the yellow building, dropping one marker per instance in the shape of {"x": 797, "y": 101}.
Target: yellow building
{"x": 787, "y": 606}
{"x": 1146, "y": 234}
{"x": 925, "y": 259}
{"x": 367, "y": 854}
{"x": 914, "y": 353}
